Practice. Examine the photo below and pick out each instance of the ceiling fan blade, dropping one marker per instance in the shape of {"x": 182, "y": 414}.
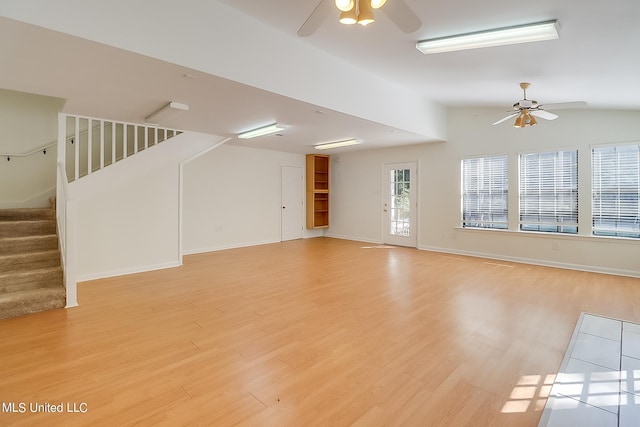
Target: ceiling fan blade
{"x": 565, "y": 105}
{"x": 510, "y": 116}
{"x": 544, "y": 114}
{"x": 402, "y": 15}
{"x": 317, "y": 17}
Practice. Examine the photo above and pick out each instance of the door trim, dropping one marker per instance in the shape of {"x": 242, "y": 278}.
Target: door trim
{"x": 414, "y": 202}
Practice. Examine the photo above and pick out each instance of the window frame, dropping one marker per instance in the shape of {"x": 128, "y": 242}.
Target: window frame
{"x": 556, "y": 197}
{"x": 597, "y": 214}
{"x": 466, "y": 220}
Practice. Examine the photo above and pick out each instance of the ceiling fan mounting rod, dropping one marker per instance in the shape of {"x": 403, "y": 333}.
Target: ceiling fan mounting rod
{"x": 524, "y": 87}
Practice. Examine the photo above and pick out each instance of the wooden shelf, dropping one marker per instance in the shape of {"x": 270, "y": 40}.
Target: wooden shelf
{"x": 317, "y": 191}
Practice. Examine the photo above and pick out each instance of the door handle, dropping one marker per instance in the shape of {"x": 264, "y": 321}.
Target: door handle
{"x": 284, "y": 207}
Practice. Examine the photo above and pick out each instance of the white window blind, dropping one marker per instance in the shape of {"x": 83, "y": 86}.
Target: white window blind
{"x": 549, "y": 191}
{"x": 484, "y": 192}
{"x": 615, "y": 187}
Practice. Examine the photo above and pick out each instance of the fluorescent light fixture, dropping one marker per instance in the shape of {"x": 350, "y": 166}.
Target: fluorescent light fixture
{"x": 336, "y": 144}
{"x": 163, "y": 113}
{"x": 265, "y": 130}
{"x": 540, "y": 31}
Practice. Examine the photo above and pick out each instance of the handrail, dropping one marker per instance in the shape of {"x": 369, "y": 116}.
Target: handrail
{"x": 107, "y": 123}
{"x": 99, "y": 149}
{"x": 42, "y": 149}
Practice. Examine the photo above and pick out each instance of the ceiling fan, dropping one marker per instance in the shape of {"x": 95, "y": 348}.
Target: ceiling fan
{"x": 526, "y": 110}
{"x": 361, "y": 12}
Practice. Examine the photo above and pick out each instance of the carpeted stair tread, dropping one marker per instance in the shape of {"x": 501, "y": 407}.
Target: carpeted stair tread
{"x": 31, "y": 301}
{"x": 32, "y": 279}
{"x": 26, "y": 214}
{"x": 12, "y": 228}
{"x": 28, "y": 261}
{"x": 23, "y": 244}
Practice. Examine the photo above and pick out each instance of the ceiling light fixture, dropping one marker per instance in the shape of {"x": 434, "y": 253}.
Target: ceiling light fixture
{"x": 165, "y": 112}
{"x": 358, "y": 11}
{"x": 539, "y": 31}
{"x": 525, "y": 118}
{"x": 261, "y": 131}
{"x": 337, "y": 144}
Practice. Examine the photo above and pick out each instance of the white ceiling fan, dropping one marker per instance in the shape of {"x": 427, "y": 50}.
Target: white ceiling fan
{"x": 361, "y": 12}
{"x": 526, "y": 110}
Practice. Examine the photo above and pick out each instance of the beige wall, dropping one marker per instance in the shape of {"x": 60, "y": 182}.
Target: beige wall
{"x": 27, "y": 122}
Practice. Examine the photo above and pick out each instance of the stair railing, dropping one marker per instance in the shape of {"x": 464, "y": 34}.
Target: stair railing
{"x": 88, "y": 144}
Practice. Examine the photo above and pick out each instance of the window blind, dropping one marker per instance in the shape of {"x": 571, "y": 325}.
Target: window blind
{"x": 549, "y": 191}
{"x": 615, "y": 190}
{"x": 484, "y": 192}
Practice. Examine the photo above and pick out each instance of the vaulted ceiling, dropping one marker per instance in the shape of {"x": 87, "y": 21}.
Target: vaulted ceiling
{"x": 240, "y": 64}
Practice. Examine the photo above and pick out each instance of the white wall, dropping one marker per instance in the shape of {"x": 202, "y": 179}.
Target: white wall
{"x": 231, "y": 198}
{"x": 356, "y": 200}
{"x": 27, "y": 122}
{"x": 128, "y": 214}
{"x": 130, "y": 227}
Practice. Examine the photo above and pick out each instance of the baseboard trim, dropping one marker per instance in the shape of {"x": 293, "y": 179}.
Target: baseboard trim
{"x": 225, "y": 247}
{"x": 354, "y": 238}
{"x": 533, "y": 261}
{"x": 125, "y": 271}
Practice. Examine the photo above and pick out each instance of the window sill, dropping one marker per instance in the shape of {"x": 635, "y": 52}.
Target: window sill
{"x": 555, "y": 236}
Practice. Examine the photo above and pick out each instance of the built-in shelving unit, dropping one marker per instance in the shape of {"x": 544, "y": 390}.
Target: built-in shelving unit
{"x": 317, "y": 191}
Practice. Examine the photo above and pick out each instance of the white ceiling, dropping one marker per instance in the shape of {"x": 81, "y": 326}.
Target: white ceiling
{"x": 595, "y": 60}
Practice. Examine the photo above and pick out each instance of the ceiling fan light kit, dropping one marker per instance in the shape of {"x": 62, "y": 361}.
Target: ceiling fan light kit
{"x": 540, "y": 31}
{"x": 345, "y": 5}
{"x": 527, "y": 110}
{"x": 358, "y": 11}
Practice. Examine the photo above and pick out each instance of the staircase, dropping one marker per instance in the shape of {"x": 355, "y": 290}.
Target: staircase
{"x": 31, "y": 278}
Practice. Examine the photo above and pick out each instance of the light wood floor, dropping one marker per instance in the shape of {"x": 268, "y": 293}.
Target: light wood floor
{"x": 307, "y": 332}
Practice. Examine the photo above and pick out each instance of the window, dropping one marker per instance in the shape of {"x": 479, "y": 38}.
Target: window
{"x": 484, "y": 192}
{"x": 549, "y": 192}
{"x": 615, "y": 189}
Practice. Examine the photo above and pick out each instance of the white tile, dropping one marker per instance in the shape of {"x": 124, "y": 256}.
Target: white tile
{"x": 630, "y": 375}
{"x": 589, "y": 383}
{"x": 601, "y": 327}
{"x": 629, "y": 410}
{"x": 631, "y": 327}
{"x": 597, "y": 350}
{"x": 567, "y": 412}
{"x": 631, "y": 344}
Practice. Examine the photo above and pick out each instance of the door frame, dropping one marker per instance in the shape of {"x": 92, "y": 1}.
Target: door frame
{"x": 300, "y": 196}
{"x": 386, "y": 237}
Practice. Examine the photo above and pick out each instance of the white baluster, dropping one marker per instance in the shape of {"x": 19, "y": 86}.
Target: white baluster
{"x": 101, "y": 144}
{"x": 76, "y": 140}
{"x": 89, "y": 146}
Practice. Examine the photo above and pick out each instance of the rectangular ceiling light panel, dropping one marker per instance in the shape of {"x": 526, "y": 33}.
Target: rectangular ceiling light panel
{"x": 265, "y": 130}
{"x": 337, "y": 144}
{"x": 540, "y": 31}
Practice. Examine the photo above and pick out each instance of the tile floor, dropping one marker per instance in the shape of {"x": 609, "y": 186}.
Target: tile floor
{"x": 598, "y": 384}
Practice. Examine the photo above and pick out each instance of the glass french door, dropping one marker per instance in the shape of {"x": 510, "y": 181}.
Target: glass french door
{"x": 400, "y": 204}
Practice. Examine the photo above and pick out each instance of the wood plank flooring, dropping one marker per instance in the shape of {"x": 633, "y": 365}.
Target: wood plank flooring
{"x": 307, "y": 332}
